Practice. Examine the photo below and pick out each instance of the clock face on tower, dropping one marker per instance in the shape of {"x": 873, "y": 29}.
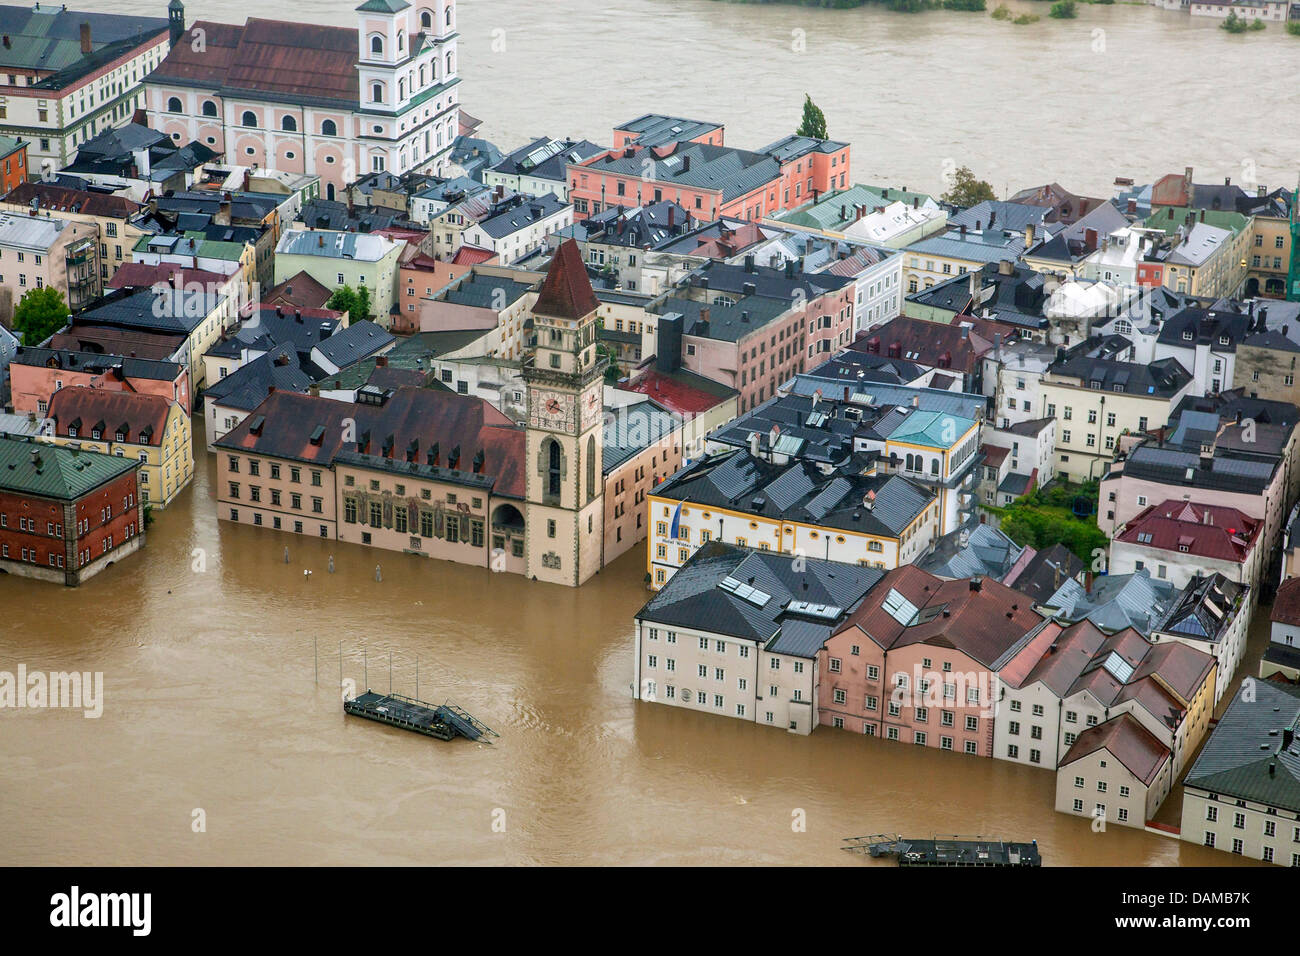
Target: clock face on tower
{"x": 552, "y": 410}
{"x": 591, "y": 409}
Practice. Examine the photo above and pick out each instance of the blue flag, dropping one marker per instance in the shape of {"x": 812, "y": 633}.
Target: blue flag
{"x": 677, "y": 517}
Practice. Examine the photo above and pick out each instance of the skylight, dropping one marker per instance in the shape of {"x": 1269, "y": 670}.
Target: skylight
{"x": 745, "y": 591}
{"x": 1117, "y": 667}
{"x": 899, "y": 608}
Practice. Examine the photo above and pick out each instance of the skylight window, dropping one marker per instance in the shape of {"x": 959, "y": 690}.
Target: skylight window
{"x": 899, "y": 608}
{"x": 1117, "y": 667}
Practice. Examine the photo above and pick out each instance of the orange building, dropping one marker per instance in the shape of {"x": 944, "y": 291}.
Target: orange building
{"x": 13, "y": 156}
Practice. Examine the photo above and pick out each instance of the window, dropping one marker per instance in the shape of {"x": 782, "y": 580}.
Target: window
{"x": 329, "y": 128}
{"x": 173, "y": 104}
{"x": 209, "y": 108}
{"x": 289, "y": 124}
{"x": 249, "y": 119}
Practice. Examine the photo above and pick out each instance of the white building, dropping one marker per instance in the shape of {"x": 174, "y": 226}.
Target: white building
{"x": 521, "y": 229}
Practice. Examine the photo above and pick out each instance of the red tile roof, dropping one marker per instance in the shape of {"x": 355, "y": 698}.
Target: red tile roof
{"x": 299, "y": 290}
{"x": 141, "y": 275}
{"x": 982, "y": 624}
{"x": 1128, "y": 741}
{"x": 994, "y": 454}
{"x": 426, "y": 416}
{"x": 142, "y": 417}
{"x": 958, "y": 345}
{"x": 566, "y": 291}
{"x": 1206, "y": 531}
{"x": 682, "y": 392}
{"x": 65, "y": 199}
{"x": 1286, "y": 603}
{"x": 1170, "y": 190}
{"x": 272, "y": 58}
{"x": 472, "y": 256}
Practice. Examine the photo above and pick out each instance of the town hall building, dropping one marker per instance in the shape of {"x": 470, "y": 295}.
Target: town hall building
{"x": 335, "y": 102}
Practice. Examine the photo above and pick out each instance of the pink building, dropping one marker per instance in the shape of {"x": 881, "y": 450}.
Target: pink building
{"x": 687, "y": 163}
{"x": 753, "y": 327}
{"x": 35, "y": 374}
{"x": 305, "y": 98}
{"x": 919, "y": 662}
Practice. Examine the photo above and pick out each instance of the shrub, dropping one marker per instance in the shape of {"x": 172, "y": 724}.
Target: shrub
{"x": 1001, "y": 13}
{"x": 1063, "y": 10}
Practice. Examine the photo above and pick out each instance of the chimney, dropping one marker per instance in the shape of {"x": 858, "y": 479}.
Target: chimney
{"x": 86, "y": 46}
{"x": 976, "y": 583}
{"x": 36, "y": 459}
{"x": 381, "y": 361}
{"x": 1090, "y": 239}
{"x": 1029, "y": 234}
{"x": 1132, "y": 207}
{"x": 754, "y": 442}
{"x": 749, "y": 263}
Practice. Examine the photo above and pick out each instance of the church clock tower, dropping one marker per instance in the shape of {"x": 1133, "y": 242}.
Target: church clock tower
{"x": 565, "y": 510}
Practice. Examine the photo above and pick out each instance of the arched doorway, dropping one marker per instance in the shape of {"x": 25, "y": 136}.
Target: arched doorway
{"x": 507, "y": 536}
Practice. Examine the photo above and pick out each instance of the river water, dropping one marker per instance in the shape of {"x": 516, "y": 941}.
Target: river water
{"x": 221, "y": 662}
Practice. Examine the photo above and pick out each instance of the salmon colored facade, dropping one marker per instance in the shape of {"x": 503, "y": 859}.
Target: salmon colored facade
{"x": 33, "y": 385}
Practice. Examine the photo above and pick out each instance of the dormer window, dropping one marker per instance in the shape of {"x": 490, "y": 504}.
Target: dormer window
{"x": 1187, "y": 335}
{"x": 96, "y": 433}
{"x": 1223, "y": 340}
{"x": 72, "y": 431}
{"x": 121, "y": 436}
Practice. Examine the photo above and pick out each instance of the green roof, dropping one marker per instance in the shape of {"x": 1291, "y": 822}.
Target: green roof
{"x": 54, "y": 472}
{"x": 824, "y": 214}
{"x": 932, "y": 429}
{"x": 383, "y": 6}
{"x": 1234, "y": 222}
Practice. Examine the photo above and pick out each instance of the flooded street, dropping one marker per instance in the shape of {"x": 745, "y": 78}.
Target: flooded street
{"x": 210, "y": 704}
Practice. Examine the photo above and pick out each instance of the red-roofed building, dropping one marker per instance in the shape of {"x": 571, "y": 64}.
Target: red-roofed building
{"x": 1118, "y": 772}
{"x": 422, "y": 276}
{"x": 317, "y": 99}
{"x": 1176, "y": 540}
{"x": 919, "y": 661}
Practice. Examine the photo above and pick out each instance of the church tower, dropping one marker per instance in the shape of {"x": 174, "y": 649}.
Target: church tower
{"x": 565, "y": 510}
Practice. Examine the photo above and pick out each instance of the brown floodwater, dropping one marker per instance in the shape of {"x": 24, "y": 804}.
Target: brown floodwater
{"x": 211, "y": 702}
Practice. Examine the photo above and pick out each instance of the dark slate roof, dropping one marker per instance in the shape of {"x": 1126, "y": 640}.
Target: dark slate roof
{"x": 967, "y": 552}
{"x": 1009, "y": 216}
{"x": 1046, "y": 572}
{"x": 654, "y": 129}
{"x": 1247, "y": 742}
{"x": 247, "y": 386}
{"x": 275, "y": 325}
{"x": 54, "y": 472}
{"x": 546, "y": 158}
{"x": 521, "y": 214}
{"x": 171, "y": 310}
{"x": 1207, "y": 327}
{"x": 330, "y": 214}
{"x": 1163, "y": 378}
{"x": 633, "y": 428}
{"x": 1204, "y": 610}
{"x": 354, "y": 343}
{"x": 481, "y": 290}
{"x": 800, "y": 492}
{"x": 49, "y": 38}
{"x": 695, "y": 598}
{"x": 1223, "y": 472}
{"x": 732, "y": 172}
{"x": 97, "y": 363}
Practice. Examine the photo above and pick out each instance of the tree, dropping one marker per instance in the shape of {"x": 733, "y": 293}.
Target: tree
{"x": 814, "y": 120}
{"x": 1063, "y": 10}
{"x": 966, "y": 190}
{"x": 355, "y": 302}
{"x": 40, "y": 313}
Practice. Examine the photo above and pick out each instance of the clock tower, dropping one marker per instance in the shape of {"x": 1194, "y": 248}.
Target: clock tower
{"x": 566, "y": 382}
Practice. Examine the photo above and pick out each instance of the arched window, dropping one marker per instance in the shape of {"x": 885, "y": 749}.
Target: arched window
{"x": 449, "y": 15}
{"x": 448, "y": 72}
{"x": 174, "y": 104}
{"x": 289, "y": 124}
{"x": 377, "y": 93}
{"x": 553, "y": 469}
{"x": 401, "y": 40}
{"x": 328, "y": 128}
{"x": 934, "y": 466}
{"x": 908, "y": 462}
{"x": 426, "y": 19}
{"x": 377, "y": 45}
{"x": 422, "y": 76}
{"x": 249, "y": 119}
{"x": 401, "y": 89}
{"x": 209, "y": 108}
{"x": 591, "y": 467}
